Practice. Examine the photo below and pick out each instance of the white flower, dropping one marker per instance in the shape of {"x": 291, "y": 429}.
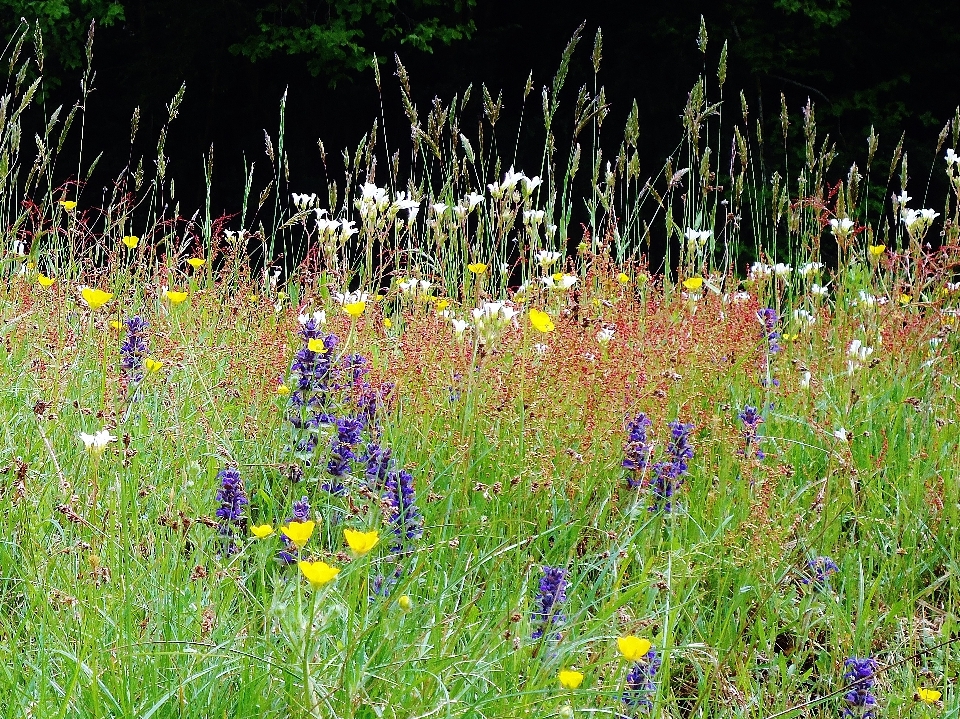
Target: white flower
{"x": 951, "y": 157}
{"x": 605, "y": 335}
{"x": 921, "y": 218}
{"x": 758, "y": 270}
{"x": 304, "y": 202}
{"x": 818, "y": 291}
{"x": 781, "y": 270}
{"x": 928, "y": 215}
{"x": 473, "y": 199}
{"x": 96, "y": 443}
{"x": 459, "y": 327}
{"x": 805, "y": 379}
{"x": 438, "y": 208}
{"x": 319, "y": 317}
{"x": 460, "y": 211}
{"x": 841, "y": 434}
{"x": 842, "y": 226}
{"x": 532, "y": 217}
{"x": 902, "y": 199}
{"x": 564, "y": 282}
{"x": 504, "y": 267}
{"x": 349, "y": 298}
{"x": 549, "y": 230}
{"x": 804, "y": 316}
{"x": 540, "y": 348}
{"x": 545, "y": 258}
{"x": 404, "y": 203}
{"x": 530, "y": 184}
{"x": 510, "y": 180}
{"x": 698, "y": 237}
{"x": 810, "y": 267}
{"x": 347, "y": 229}
{"x": 741, "y": 296}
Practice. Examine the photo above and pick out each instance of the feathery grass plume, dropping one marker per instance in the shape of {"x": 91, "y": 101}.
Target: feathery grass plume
{"x": 547, "y": 606}
{"x": 232, "y": 500}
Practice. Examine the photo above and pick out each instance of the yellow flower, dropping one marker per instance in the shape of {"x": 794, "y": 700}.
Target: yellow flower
{"x": 175, "y": 297}
{"x": 623, "y": 278}
{"x": 283, "y": 390}
{"x": 316, "y": 345}
{"x": 557, "y": 276}
{"x": 876, "y": 250}
{"x": 116, "y": 325}
{"x": 633, "y": 648}
{"x": 442, "y": 305}
{"x": 570, "y": 679}
{"x": 387, "y": 322}
{"x": 68, "y": 204}
{"x": 905, "y": 299}
{"x": 130, "y": 241}
{"x": 519, "y": 298}
{"x": 477, "y": 268}
{"x": 405, "y": 603}
{"x": 252, "y": 298}
{"x": 541, "y": 321}
{"x": 361, "y": 542}
{"x": 928, "y": 696}
{"x": 693, "y": 283}
{"x": 299, "y": 532}
{"x": 152, "y": 365}
{"x": 94, "y": 298}
{"x": 44, "y": 281}
{"x": 355, "y": 309}
{"x": 262, "y": 531}
{"x": 318, "y": 573}
{"x": 196, "y": 262}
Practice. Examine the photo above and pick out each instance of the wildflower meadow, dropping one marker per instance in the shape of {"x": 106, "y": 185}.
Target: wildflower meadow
{"x": 448, "y": 437}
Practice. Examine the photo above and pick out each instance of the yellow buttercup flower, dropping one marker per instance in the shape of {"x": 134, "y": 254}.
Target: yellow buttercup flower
{"x": 693, "y": 283}
{"x": 94, "y": 298}
{"x": 44, "y": 281}
{"x": 253, "y": 298}
{"x": 196, "y": 262}
{"x": 405, "y": 603}
{"x": 283, "y": 390}
{"x": 387, "y": 322}
{"x": 928, "y": 696}
{"x": 175, "y": 297}
{"x": 116, "y": 325}
{"x": 299, "y": 532}
{"x": 477, "y": 268}
{"x": 541, "y": 321}
{"x": 316, "y": 345}
{"x": 633, "y": 648}
{"x": 557, "y": 276}
{"x": 623, "y": 278}
{"x": 442, "y": 305}
{"x": 355, "y": 309}
{"x": 152, "y": 365}
{"x": 905, "y": 299}
{"x": 130, "y": 241}
{"x": 262, "y": 531}
{"x": 318, "y": 573}
{"x": 876, "y": 250}
{"x": 68, "y": 204}
{"x": 361, "y": 542}
{"x": 570, "y": 679}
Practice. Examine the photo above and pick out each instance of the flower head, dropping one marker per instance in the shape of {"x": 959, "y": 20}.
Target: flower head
{"x": 361, "y": 542}
{"x": 318, "y": 573}
{"x": 477, "y": 268}
{"x": 44, "y": 281}
{"x": 551, "y": 595}
{"x": 641, "y": 681}
{"x": 859, "y": 699}
{"x": 355, "y": 309}
{"x": 196, "y": 262}
{"x": 623, "y": 278}
{"x": 541, "y": 321}
{"x": 298, "y": 532}
{"x": 570, "y": 679}
{"x": 174, "y": 297}
{"x": 68, "y": 205}
{"x": 261, "y": 531}
{"x": 232, "y": 500}
{"x": 97, "y": 442}
{"x": 130, "y": 241}
{"x": 95, "y": 298}
{"x": 928, "y": 696}
{"x": 633, "y": 648}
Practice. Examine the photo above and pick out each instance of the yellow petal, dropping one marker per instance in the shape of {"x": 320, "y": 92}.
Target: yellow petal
{"x": 570, "y": 679}
{"x": 405, "y": 603}
{"x": 928, "y": 696}
{"x": 541, "y": 321}
{"x": 68, "y": 204}
{"x": 283, "y": 390}
{"x": 693, "y": 283}
{"x": 45, "y": 281}
{"x": 355, "y": 309}
{"x": 175, "y": 297}
{"x": 262, "y": 531}
{"x": 94, "y": 298}
{"x": 361, "y": 542}
{"x": 477, "y": 268}
{"x": 130, "y": 241}
{"x": 152, "y": 365}
{"x": 318, "y": 573}
{"x": 623, "y": 278}
{"x": 387, "y": 322}
{"x": 299, "y": 532}
{"x": 633, "y": 648}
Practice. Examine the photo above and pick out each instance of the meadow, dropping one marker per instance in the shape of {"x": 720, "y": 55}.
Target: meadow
{"x": 440, "y": 439}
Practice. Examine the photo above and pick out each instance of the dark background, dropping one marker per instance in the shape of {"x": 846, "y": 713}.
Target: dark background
{"x": 887, "y": 63}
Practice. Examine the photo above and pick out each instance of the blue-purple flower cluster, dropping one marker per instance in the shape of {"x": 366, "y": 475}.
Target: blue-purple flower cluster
{"x": 400, "y": 510}
{"x": 551, "y": 595}
{"x": 641, "y": 682}
{"x": 637, "y": 450}
{"x": 769, "y": 319}
{"x": 133, "y": 350}
{"x": 232, "y": 500}
{"x": 820, "y": 569}
{"x": 860, "y": 701}
{"x": 751, "y": 418}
